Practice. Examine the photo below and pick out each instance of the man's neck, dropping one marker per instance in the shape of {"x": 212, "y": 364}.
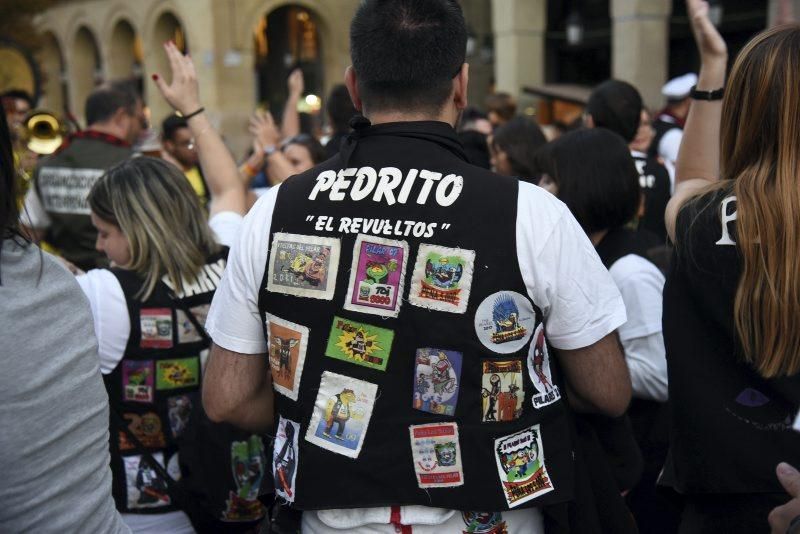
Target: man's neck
{"x": 108, "y": 129}
{"x": 382, "y": 117}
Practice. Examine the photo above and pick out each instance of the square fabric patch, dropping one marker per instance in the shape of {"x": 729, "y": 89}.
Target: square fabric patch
{"x": 179, "y": 409}
{"x": 437, "y": 455}
{"x": 156, "y": 326}
{"x": 178, "y": 373}
{"x": 539, "y": 371}
{"x": 137, "y": 381}
{"x": 303, "y": 265}
{"x": 359, "y": 343}
{"x": 144, "y": 487}
{"x": 377, "y": 275}
{"x": 284, "y": 458}
{"x": 146, "y": 428}
{"x": 442, "y": 278}
{"x": 341, "y": 414}
{"x": 187, "y": 333}
{"x": 502, "y": 390}
{"x": 248, "y": 465}
{"x": 521, "y": 466}
{"x": 437, "y": 377}
{"x": 287, "y": 354}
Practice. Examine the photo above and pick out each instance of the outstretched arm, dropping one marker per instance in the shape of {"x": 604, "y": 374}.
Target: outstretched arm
{"x": 290, "y": 123}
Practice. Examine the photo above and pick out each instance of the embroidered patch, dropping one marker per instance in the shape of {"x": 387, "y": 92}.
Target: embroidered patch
{"x": 341, "y": 414}
{"x": 179, "y": 373}
{"x": 521, "y": 466}
{"x": 146, "y": 428}
{"x": 187, "y": 333}
{"x": 179, "y": 409}
{"x": 437, "y": 377}
{"x": 137, "y": 381}
{"x": 505, "y": 321}
{"x": 303, "y": 265}
{"x": 437, "y": 455}
{"x": 539, "y": 371}
{"x": 285, "y": 457}
{"x": 484, "y": 523}
{"x": 502, "y": 390}
{"x": 248, "y": 465}
{"x": 287, "y": 354}
{"x": 359, "y": 343}
{"x": 442, "y": 278}
{"x": 144, "y": 487}
{"x": 377, "y": 276}
{"x": 156, "y": 327}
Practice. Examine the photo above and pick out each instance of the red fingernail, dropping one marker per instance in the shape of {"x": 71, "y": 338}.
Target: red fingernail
{"x": 155, "y": 77}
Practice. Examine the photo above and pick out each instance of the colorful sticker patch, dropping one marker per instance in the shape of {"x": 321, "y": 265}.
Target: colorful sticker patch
{"x": 437, "y": 455}
{"x": 521, "y": 466}
{"x": 179, "y": 409}
{"x": 284, "y": 458}
{"x": 505, "y": 321}
{"x": 287, "y": 354}
{"x": 137, "y": 381}
{"x": 377, "y": 276}
{"x": 187, "y": 333}
{"x": 156, "y": 326}
{"x": 437, "y": 377}
{"x": 484, "y": 523}
{"x": 247, "y": 465}
{"x": 502, "y": 390}
{"x": 442, "y": 278}
{"x": 539, "y": 370}
{"x": 303, "y": 265}
{"x": 144, "y": 427}
{"x": 359, "y": 343}
{"x": 144, "y": 487}
{"x": 180, "y": 373}
{"x": 341, "y": 414}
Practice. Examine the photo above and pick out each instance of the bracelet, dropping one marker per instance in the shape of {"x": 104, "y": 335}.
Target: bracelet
{"x": 192, "y": 114}
{"x": 708, "y": 96}
{"x": 270, "y": 150}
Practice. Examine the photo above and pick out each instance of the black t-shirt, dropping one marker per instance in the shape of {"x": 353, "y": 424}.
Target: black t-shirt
{"x": 655, "y": 184}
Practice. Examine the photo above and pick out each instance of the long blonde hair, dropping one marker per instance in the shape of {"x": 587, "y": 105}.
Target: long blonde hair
{"x": 760, "y": 154}
{"x": 154, "y": 206}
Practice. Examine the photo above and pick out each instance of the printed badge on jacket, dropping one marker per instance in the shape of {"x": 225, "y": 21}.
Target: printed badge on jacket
{"x": 377, "y": 275}
{"x": 303, "y": 265}
{"x": 504, "y": 321}
{"x": 502, "y": 392}
{"x": 437, "y": 455}
{"x": 137, "y": 380}
{"x": 359, "y": 343}
{"x": 539, "y": 370}
{"x": 442, "y": 278}
{"x": 287, "y": 343}
{"x": 285, "y": 458}
{"x": 437, "y": 377}
{"x": 341, "y": 414}
{"x": 521, "y": 466}
{"x": 144, "y": 487}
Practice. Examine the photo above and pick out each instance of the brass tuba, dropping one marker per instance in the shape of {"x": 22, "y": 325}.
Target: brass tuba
{"x": 42, "y": 132}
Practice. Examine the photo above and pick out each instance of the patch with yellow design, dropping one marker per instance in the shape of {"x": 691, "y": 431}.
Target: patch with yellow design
{"x": 179, "y": 373}
{"x": 359, "y": 343}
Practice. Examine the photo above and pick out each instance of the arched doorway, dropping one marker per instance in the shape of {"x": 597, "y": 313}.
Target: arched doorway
{"x": 54, "y": 87}
{"x": 287, "y": 38}
{"x": 126, "y": 56}
{"x": 85, "y": 69}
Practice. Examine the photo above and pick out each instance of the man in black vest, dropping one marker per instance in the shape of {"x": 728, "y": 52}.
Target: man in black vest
{"x": 56, "y": 207}
{"x": 413, "y": 285}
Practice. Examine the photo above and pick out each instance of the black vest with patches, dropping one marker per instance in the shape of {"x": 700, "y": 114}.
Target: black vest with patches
{"x": 154, "y": 386}
{"x": 655, "y": 183}
{"x": 403, "y": 363}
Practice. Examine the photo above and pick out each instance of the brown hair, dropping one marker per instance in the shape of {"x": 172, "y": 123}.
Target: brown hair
{"x": 760, "y": 154}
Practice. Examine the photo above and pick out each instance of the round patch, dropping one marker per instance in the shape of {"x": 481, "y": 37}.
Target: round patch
{"x": 505, "y": 321}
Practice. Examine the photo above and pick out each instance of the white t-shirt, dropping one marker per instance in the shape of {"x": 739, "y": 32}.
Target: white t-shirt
{"x": 561, "y": 270}
{"x": 670, "y": 144}
{"x": 641, "y": 285}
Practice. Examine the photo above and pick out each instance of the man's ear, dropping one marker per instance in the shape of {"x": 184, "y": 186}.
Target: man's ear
{"x": 352, "y": 87}
{"x": 461, "y": 82}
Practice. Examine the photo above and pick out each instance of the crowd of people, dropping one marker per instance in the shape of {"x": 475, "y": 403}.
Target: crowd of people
{"x": 435, "y": 318}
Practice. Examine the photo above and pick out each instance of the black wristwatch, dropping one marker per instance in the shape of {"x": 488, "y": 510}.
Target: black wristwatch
{"x": 707, "y": 95}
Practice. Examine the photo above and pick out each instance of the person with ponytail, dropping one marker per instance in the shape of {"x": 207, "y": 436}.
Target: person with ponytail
{"x": 732, "y": 296}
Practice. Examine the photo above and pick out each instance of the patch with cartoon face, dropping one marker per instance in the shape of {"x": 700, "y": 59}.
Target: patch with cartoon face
{"x": 437, "y": 377}
{"x": 359, "y": 343}
{"x": 437, "y": 455}
{"x": 377, "y": 275}
{"x": 505, "y": 321}
{"x": 287, "y": 344}
{"x": 442, "y": 278}
{"x": 303, "y": 265}
{"x": 247, "y": 466}
{"x": 156, "y": 328}
{"x": 501, "y": 390}
{"x": 521, "y": 466}
{"x": 178, "y": 373}
{"x": 341, "y": 414}
{"x": 539, "y": 371}
{"x": 146, "y": 428}
{"x": 484, "y": 523}
{"x": 137, "y": 380}
{"x": 143, "y": 485}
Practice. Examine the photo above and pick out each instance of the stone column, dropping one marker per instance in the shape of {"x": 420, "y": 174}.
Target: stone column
{"x": 519, "y": 43}
{"x": 640, "y": 45}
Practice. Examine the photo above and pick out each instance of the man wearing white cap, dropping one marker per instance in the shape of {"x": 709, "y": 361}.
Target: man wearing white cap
{"x": 669, "y": 121}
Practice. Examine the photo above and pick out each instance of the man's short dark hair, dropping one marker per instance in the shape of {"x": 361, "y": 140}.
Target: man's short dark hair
{"x": 340, "y": 109}
{"x": 406, "y": 52}
{"x": 595, "y": 175}
{"x": 104, "y": 101}
{"x": 617, "y": 106}
{"x": 172, "y": 124}
{"x": 18, "y": 94}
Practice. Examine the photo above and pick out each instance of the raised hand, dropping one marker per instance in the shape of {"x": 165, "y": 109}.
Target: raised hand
{"x": 182, "y": 93}
{"x": 709, "y": 41}
{"x": 296, "y": 83}
{"x": 264, "y": 130}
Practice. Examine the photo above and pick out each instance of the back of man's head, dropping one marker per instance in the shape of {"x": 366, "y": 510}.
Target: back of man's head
{"x": 340, "y": 109}
{"x": 406, "y": 53}
{"x": 172, "y": 124}
{"x": 104, "y": 101}
{"x": 616, "y": 106}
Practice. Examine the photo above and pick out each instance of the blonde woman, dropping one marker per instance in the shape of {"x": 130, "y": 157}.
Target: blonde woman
{"x": 149, "y": 309}
{"x": 732, "y": 298}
